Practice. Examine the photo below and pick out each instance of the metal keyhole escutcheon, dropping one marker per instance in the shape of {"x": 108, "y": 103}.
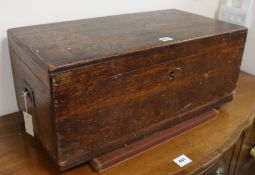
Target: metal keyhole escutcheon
{"x": 171, "y": 75}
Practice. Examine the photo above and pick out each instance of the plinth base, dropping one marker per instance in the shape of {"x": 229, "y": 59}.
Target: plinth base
{"x": 123, "y": 154}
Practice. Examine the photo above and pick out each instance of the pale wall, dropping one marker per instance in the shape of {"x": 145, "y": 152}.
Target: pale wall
{"x": 248, "y": 64}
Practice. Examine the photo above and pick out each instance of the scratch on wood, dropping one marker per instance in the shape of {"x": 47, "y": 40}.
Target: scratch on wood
{"x": 234, "y": 93}
{"x": 206, "y": 75}
{"x": 54, "y": 82}
{"x": 62, "y": 163}
{"x": 179, "y": 69}
{"x": 117, "y": 76}
{"x": 184, "y": 108}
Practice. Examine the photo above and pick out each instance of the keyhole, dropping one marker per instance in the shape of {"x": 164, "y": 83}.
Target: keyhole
{"x": 171, "y": 75}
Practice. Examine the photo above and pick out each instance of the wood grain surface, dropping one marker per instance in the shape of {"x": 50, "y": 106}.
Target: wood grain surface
{"x": 101, "y": 83}
{"x": 205, "y": 144}
{"x": 135, "y": 149}
{"x": 75, "y": 43}
{"x": 40, "y": 109}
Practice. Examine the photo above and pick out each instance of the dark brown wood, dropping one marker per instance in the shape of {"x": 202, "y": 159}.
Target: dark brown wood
{"x": 221, "y": 166}
{"x": 110, "y": 81}
{"x": 248, "y": 168}
{"x": 208, "y": 145}
{"x": 27, "y": 57}
{"x": 121, "y": 155}
{"x": 245, "y": 162}
{"x": 41, "y": 111}
{"x": 75, "y": 43}
{"x": 236, "y": 155}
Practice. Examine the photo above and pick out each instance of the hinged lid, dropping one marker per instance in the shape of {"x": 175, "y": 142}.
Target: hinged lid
{"x": 66, "y": 45}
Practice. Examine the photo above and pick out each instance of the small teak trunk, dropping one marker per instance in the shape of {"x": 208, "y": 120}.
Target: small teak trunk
{"x": 98, "y": 84}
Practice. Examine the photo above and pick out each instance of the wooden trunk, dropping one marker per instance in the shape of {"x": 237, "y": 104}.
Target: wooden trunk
{"x": 95, "y": 85}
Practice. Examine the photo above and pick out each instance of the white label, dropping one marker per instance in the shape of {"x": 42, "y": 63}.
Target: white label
{"x": 28, "y": 123}
{"x": 182, "y": 160}
{"x": 164, "y": 39}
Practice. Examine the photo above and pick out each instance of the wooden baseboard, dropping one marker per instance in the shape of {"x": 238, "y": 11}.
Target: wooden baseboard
{"x": 123, "y": 154}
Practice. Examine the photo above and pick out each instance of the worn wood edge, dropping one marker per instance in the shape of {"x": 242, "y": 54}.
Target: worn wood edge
{"x": 32, "y": 53}
{"x": 52, "y": 69}
{"x": 79, "y": 64}
{"x": 19, "y": 116}
{"x": 218, "y": 152}
{"x": 38, "y": 62}
{"x": 63, "y": 165}
{"x": 137, "y": 148}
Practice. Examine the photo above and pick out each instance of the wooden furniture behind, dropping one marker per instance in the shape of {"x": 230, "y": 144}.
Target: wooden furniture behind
{"x": 222, "y": 144}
